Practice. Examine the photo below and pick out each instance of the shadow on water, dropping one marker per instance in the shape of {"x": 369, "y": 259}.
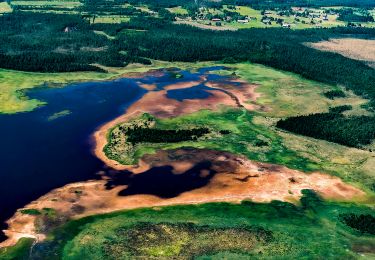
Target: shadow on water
{"x": 162, "y": 182}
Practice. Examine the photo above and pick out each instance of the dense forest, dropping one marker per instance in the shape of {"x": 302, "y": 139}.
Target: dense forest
{"x": 153, "y": 135}
{"x": 362, "y": 223}
{"x": 53, "y": 43}
{"x": 348, "y": 15}
{"x": 333, "y": 126}
{"x": 332, "y": 94}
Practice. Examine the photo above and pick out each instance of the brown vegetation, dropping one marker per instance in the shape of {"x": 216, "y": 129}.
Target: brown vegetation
{"x": 359, "y": 49}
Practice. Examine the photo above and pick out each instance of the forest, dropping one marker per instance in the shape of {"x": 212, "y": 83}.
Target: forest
{"x": 332, "y": 94}
{"x": 364, "y": 223}
{"x": 154, "y": 135}
{"x": 53, "y": 43}
{"x": 334, "y": 127}
{"x": 348, "y": 15}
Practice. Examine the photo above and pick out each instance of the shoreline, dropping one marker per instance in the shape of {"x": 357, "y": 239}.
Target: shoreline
{"x": 235, "y": 179}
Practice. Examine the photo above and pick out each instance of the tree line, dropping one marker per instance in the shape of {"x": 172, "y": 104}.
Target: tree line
{"x": 334, "y": 127}
{"x": 153, "y": 135}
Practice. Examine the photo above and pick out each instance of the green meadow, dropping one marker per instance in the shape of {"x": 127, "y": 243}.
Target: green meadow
{"x": 277, "y": 230}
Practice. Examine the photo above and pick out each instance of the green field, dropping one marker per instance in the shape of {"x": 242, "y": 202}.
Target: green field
{"x": 14, "y": 83}
{"x": 111, "y": 19}
{"x": 275, "y": 230}
{"x": 178, "y": 10}
{"x": 66, "y": 4}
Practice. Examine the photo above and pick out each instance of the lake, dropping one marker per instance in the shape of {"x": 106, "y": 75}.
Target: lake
{"x": 50, "y": 146}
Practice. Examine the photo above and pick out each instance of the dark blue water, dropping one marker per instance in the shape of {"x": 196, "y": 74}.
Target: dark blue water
{"x": 38, "y": 154}
{"x": 196, "y": 92}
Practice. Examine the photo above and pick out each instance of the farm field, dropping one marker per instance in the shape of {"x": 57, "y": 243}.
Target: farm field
{"x": 5, "y": 8}
{"x": 360, "y": 49}
{"x": 187, "y": 129}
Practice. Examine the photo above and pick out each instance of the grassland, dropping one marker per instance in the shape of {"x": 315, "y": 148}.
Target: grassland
{"x": 178, "y": 10}
{"x": 62, "y": 4}
{"x": 19, "y": 251}
{"x": 288, "y": 94}
{"x": 5, "y": 8}
{"x": 14, "y": 83}
{"x": 267, "y": 231}
{"x": 111, "y": 19}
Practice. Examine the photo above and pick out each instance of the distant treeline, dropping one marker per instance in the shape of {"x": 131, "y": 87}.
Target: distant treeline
{"x": 348, "y": 15}
{"x": 154, "y": 135}
{"x": 334, "y": 127}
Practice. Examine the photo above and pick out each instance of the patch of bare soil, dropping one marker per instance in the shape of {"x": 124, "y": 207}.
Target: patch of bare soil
{"x": 358, "y": 49}
{"x": 235, "y": 179}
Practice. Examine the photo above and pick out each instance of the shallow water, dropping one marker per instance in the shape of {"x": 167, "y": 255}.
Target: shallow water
{"x": 42, "y": 150}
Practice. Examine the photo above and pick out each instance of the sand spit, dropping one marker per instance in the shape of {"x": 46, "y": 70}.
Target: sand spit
{"x": 236, "y": 178}
{"x": 232, "y": 92}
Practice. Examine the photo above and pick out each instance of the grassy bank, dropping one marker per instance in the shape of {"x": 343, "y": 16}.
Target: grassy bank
{"x": 313, "y": 230}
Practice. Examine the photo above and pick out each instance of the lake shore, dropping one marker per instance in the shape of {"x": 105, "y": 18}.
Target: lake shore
{"x": 235, "y": 179}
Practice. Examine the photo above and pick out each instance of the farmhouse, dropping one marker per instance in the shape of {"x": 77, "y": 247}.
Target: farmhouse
{"x": 243, "y": 20}
{"x": 266, "y": 21}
